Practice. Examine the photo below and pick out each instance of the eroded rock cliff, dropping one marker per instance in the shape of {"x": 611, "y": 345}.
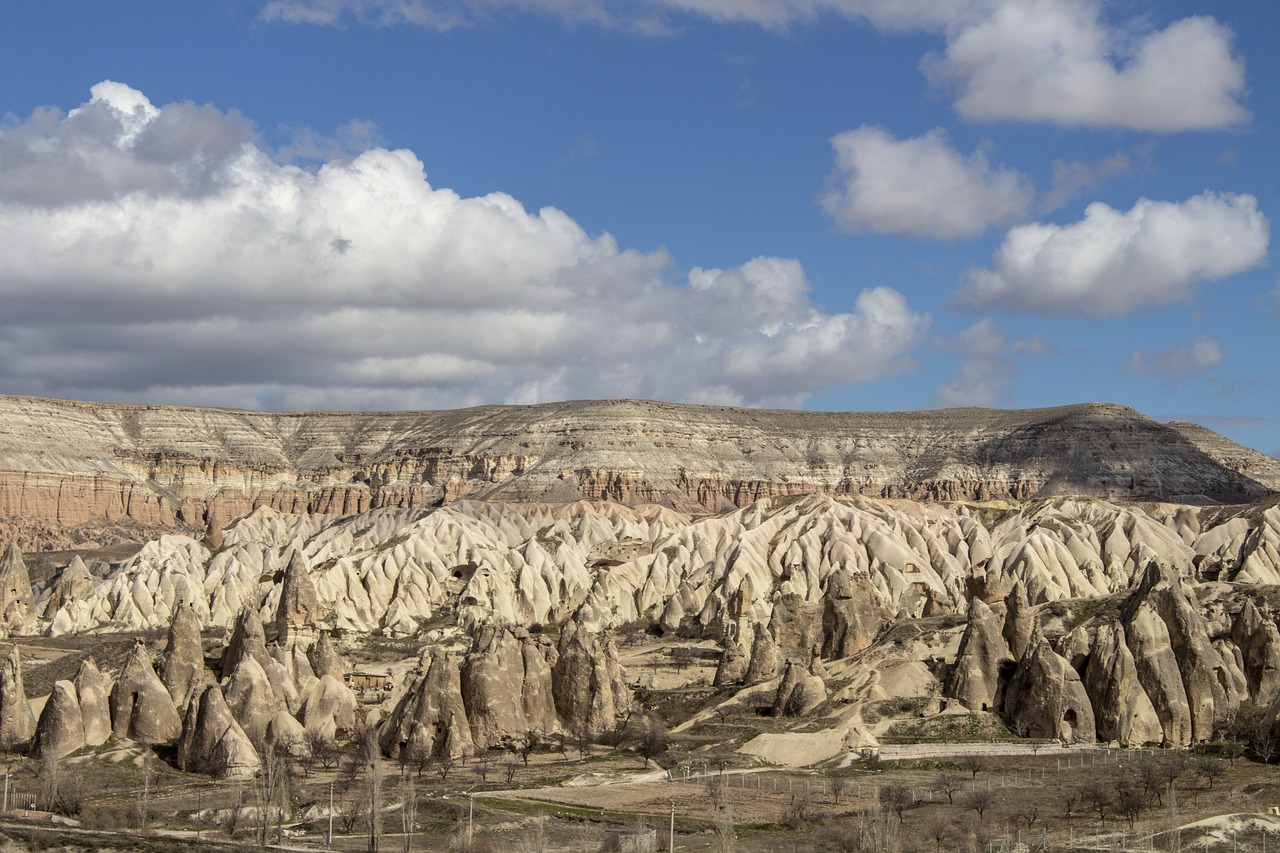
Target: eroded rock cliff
{"x": 88, "y": 466}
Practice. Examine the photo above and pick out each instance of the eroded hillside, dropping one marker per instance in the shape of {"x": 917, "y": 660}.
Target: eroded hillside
{"x": 72, "y": 473}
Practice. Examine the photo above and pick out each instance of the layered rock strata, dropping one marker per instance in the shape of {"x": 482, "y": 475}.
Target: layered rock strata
{"x": 85, "y": 464}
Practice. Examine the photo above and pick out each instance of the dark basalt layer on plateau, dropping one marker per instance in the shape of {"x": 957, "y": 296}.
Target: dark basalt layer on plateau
{"x": 71, "y": 465}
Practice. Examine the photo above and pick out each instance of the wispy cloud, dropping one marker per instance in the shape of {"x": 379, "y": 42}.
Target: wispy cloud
{"x": 1177, "y": 361}
{"x": 1058, "y": 61}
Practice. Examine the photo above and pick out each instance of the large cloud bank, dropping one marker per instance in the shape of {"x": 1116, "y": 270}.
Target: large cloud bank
{"x": 1115, "y": 262}
{"x": 160, "y": 253}
{"x": 1060, "y": 61}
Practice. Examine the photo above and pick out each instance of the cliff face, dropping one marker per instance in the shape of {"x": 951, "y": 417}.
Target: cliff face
{"x": 84, "y": 465}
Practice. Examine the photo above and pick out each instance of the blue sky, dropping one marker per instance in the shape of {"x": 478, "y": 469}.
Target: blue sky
{"x": 838, "y": 204}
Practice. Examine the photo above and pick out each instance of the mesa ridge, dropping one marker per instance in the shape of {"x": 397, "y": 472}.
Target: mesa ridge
{"x": 92, "y": 467}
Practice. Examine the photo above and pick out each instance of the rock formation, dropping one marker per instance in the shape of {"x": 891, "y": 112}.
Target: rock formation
{"x": 212, "y": 741}
{"x": 183, "y": 656}
{"x": 507, "y": 686}
{"x": 850, "y": 615}
{"x": 983, "y": 653}
{"x": 1046, "y": 698}
{"x": 93, "y": 696}
{"x": 324, "y": 658}
{"x": 74, "y": 584}
{"x": 174, "y": 466}
{"x": 1178, "y": 666}
{"x": 17, "y": 722}
{"x": 587, "y": 682}
{"x": 141, "y": 708}
{"x": 60, "y": 730}
{"x": 328, "y": 707}
{"x": 1121, "y": 708}
{"x": 299, "y": 608}
{"x": 430, "y": 718}
{"x": 17, "y": 606}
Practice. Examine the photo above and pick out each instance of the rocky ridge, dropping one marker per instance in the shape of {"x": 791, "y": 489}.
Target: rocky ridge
{"x": 71, "y": 471}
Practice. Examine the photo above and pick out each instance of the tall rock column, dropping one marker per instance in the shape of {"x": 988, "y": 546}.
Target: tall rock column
{"x": 17, "y": 721}
{"x": 587, "y": 681}
{"x": 17, "y": 605}
{"x": 299, "y": 606}
{"x": 183, "y": 656}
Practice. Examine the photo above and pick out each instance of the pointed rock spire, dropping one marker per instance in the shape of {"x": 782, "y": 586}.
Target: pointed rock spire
{"x": 17, "y": 722}
{"x": 212, "y": 741}
{"x": 183, "y": 656}
{"x": 74, "y": 583}
{"x": 141, "y": 708}
{"x": 299, "y": 606}
{"x": 60, "y": 731}
{"x": 17, "y": 606}
{"x": 95, "y": 708}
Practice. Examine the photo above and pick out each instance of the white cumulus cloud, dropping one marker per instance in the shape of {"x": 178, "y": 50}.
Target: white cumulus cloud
{"x": 920, "y": 186}
{"x": 1113, "y": 262}
{"x": 162, "y": 253}
{"x": 1058, "y": 61}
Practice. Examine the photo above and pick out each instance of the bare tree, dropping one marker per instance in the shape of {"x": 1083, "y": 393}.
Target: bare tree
{"x": 373, "y": 786}
{"x": 653, "y": 741}
{"x": 897, "y": 799}
{"x": 718, "y": 793}
{"x": 408, "y": 807}
{"x": 980, "y": 801}
{"x": 481, "y": 767}
{"x": 323, "y": 750}
{"x": 797, "y": 810}
{"x": 838, "y": 786}
{"x": 950, "y": 784}
{"x": 1210, "y": 770}
{"x": 1100, "y": 797}
{"x": 527, "y": 745}
{"x": 974, "y": 764}
{"x": 940, "y": 829}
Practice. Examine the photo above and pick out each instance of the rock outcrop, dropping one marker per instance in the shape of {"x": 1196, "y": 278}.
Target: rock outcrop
{"x": 975, "y": 678}
{"x": 299, "y": 607}
{"x": 183, "y": 656}
{"x": 1046, "y": 698}
{"x": 93, "y": 695}
{"x": 141, "y": 708}
{"x": 212, "y": 741}
{"x": 17, "y": 721}
{"x": 430, "y": 719}
{"x": 587, "y": 682}
{"x": 60, "y": 730}
{"x": 74, "y": 584}
{"x": 328, "y": 707}
{"x": 17, "y": 605}
{"x": 507, "y": 686}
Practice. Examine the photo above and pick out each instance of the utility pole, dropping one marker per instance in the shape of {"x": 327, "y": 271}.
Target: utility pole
{"x": 671, "y": 842}
{"x": 471, "y": 816}
{"x": 331, "y": 813}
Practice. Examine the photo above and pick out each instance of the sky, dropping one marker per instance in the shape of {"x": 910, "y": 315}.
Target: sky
{"x": 827, "y": 204}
